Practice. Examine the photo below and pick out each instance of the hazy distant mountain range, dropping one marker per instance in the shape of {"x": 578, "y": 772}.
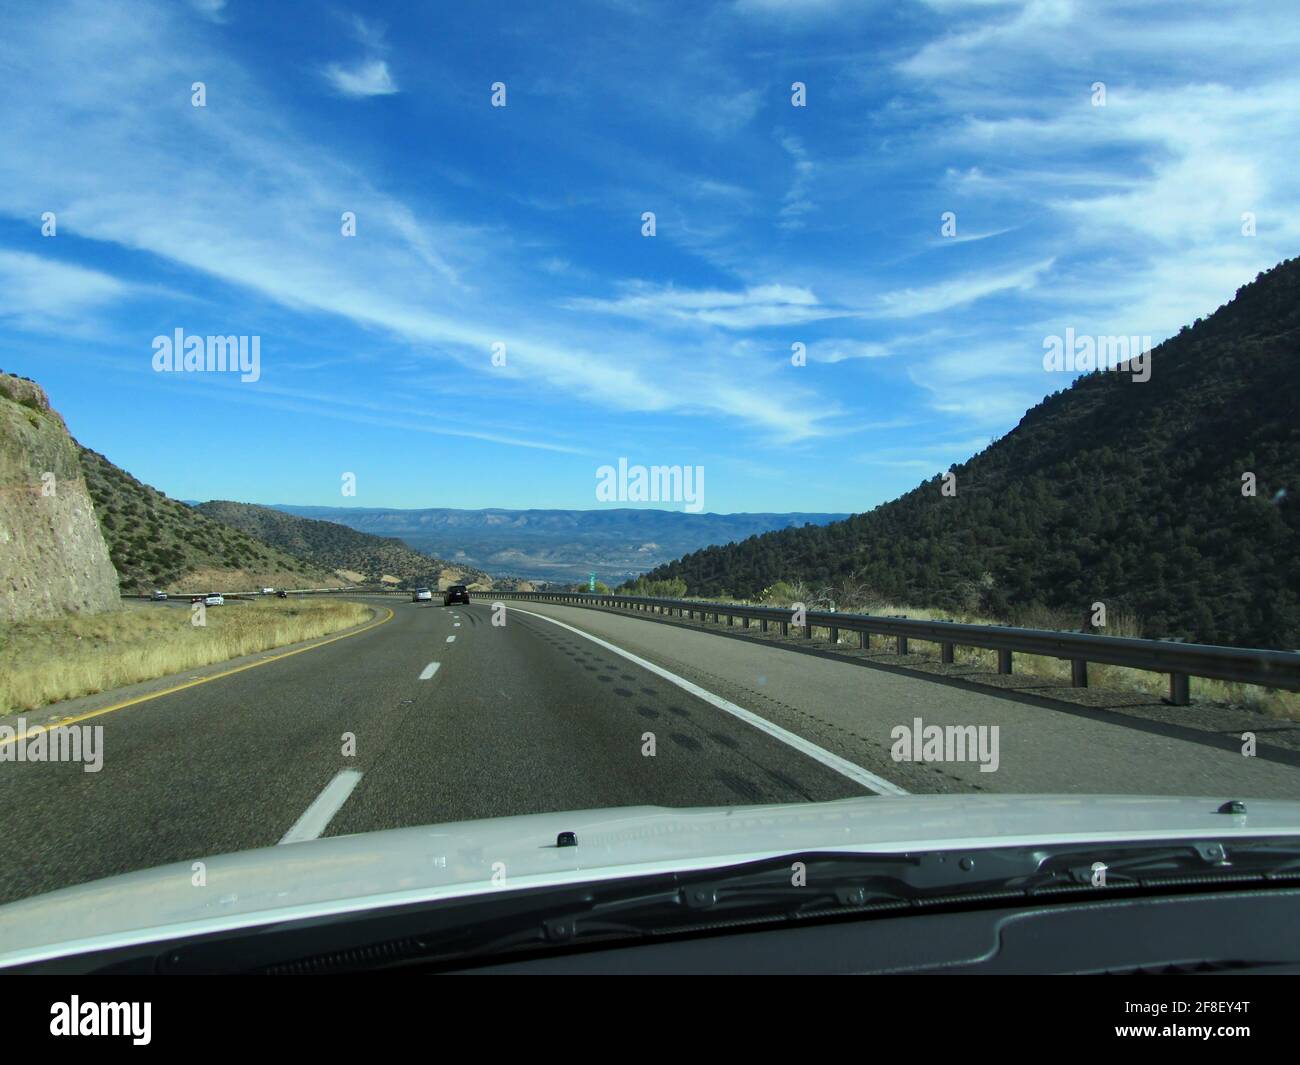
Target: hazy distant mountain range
{"x": 557, "y": 545}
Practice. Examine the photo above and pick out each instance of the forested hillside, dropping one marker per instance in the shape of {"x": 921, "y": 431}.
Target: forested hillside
{"x": 158, "y": 542}
{"x": 1112, "y": 490}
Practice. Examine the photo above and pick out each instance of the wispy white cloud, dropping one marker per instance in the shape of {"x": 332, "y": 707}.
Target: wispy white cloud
{"x": 1117, "y": 219}
{"x": 1036, "y": 22}
{"x": 968, "y": 238}
{"x": 258, "y": 209}
{"x": 369, "y": 77}
{"x": 354, "y": 409}
{"x": 958, "y": 292}
{"x": 45, "y": 295}
{"x": 371, "y": 35}
{"x": 796, "y": 202}
{"x": 842, "y": 350}
{"x": 757, "y": 306}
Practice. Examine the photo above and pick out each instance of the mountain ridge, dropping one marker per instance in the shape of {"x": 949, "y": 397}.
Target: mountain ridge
{"x": 1111, "y": 490}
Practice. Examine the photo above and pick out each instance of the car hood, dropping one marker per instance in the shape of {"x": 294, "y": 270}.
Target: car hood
{"x": 351, "y": 873}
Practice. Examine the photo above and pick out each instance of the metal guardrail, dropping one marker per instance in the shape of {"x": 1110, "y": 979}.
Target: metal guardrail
{"x": 1268, "y": 669}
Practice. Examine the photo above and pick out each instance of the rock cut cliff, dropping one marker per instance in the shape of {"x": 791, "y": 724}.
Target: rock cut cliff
{"x": 53, "y": 558}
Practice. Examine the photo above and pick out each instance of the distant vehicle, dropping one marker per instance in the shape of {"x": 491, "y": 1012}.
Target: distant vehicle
{"x": 214, "y": 599}
{"x": 422, "y": 595}
{"x": 158, "y": 596}
{"x": 282, "y": 594}
{"x": 267, "y": 591}
{"x": 456, "y": 593}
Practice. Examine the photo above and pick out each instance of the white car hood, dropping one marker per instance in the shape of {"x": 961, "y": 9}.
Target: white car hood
{"x": 350, "y": 873}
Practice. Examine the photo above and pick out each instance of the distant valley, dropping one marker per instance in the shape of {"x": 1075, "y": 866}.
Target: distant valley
{"x": 557, "y": 545}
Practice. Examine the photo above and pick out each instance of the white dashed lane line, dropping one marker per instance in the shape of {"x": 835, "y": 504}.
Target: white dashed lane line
{"x": 429, "y": 670}
{"x": 451, "y": 639}
{"x": 318, "y": 815}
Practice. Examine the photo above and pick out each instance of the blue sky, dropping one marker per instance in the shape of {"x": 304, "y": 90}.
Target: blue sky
{"x": 521, "y": 224}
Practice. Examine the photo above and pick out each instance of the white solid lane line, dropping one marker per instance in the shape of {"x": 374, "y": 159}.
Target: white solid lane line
{"x": 451, "y": 639}
{"x": 318, "y": 815}
{"x": 843, "y": 766}
{"x": 429, "y": 671}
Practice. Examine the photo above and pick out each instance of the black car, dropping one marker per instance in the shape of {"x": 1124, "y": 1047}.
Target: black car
{"x": 456, "y": 593}
{"x": 282, "y": 594}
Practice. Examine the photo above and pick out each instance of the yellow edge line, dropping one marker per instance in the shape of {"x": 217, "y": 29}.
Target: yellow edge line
{"x": 192, "y": 683}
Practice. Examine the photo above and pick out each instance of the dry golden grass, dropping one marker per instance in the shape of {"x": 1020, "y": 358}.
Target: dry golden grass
{"x": 43, "y": 662}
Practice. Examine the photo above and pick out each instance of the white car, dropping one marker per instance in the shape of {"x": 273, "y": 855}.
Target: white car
{"x": 268, "y": 591}
{"x": 214, "y": 600}
{"x": 422, "y": 595}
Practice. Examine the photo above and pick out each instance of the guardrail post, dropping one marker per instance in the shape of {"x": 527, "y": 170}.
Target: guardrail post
{"x": 1180, "y": 691}
{"x": 946, "y": 653}
{"x": 785, "y": 628}
{"x": 1078, "y": 673}
{"x": 807, "y": 629}
{"x": 763, "y": 623}
{"x": 715, "y": 617}
{"x": 1004, "y": 661}
{"x": 835, "y": 634}
{"x": 902, "y": 645}
{"x": 746, "y": 621}
{"x": 730, "y": 621}
{"x": 864, "y": 640}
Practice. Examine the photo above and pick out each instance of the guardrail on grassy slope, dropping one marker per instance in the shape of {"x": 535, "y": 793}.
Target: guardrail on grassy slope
{"x": 1268, "y": 669}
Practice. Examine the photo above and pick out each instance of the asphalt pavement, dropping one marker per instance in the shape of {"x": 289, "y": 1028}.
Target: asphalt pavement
{"x": 436, "y": 714}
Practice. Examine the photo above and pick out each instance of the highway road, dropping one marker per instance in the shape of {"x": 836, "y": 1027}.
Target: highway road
{"x": 434, "y": 714}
